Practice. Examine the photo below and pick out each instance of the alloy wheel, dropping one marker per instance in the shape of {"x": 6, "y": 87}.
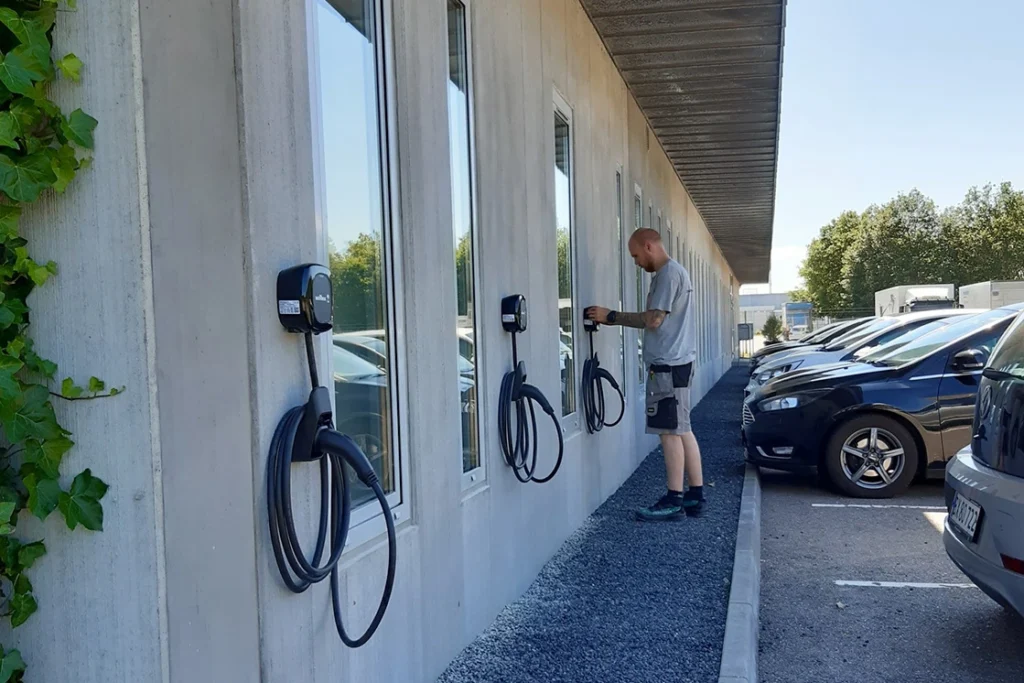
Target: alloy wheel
{"x": 873, "y": 458}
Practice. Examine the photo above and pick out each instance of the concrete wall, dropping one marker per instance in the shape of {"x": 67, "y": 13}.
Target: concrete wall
{"x": 203, "y": 188}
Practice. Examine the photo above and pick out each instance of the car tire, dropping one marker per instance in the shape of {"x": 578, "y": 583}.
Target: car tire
{"x": 871, "y": 456}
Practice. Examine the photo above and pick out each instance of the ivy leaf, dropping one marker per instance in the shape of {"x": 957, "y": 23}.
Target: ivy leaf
{"x": 64, "y": 166}
{"x": 30, "y": 30}
{"x": 10, "y": 665}
{"x": 20, "y": 69}
{"x": 23, "y": 606}
{"x": 79, "y": 127}
{"x": 9, "y": 384}
{"x": 82, "y": 504}
{"x": 28, "y": 554}
{"x": 9, "y": 215}
{"x": 6, "y": 512}
{"x": 23, "y": 179}
{"x": 7, "y": 317}
{"x": 39, "y": 365}
{"x": 9, "y": 130}
{"x": 96, "y": 385}
{"x": 43, "y": 496}
{"x": 27, "y": 112}
{"x": 47, "y": 455}
{"x": 70, "y": 389}
{"x": 71, "y": 66}
{"x": 30, "y": 416}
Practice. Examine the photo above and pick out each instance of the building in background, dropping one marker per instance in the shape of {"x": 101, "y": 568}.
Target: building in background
{"x": 436, "y": 155}
{"x": 797, "y": 317}
{"x": 757, "y": 308}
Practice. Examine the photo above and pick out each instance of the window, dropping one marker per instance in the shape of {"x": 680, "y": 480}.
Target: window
{"x": 460, "y": 150}
{"x": 622, "y": 283}
{"x": 922, "y": 346}
{"x": 563, "y": 235}
{"x": 641, "y": 302}
{"x": 354, "y": 199}
{"x": 669, "y": 243}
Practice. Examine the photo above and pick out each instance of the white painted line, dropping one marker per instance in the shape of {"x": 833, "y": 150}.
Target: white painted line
{"x": 901, "y": 584}
{"x": 877, "y": 506}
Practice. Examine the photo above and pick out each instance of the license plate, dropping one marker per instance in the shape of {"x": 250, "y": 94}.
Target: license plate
{"x": 965, "y": 514}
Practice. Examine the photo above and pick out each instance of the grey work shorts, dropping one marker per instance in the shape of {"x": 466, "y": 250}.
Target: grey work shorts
{"x": 668, "y": 400}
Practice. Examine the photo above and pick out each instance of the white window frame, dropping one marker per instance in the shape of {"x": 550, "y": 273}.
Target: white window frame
{"x": 478, "y": 475}
{"x": 670, "y": 239}
{"x": 622, "y": 254}
{"x": 638, "y": 193}
{"x": 571, "y": 422}
{"x": 367, "y": 520}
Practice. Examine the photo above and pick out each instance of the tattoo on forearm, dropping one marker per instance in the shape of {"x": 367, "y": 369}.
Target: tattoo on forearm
{"x": 640, "y": 321}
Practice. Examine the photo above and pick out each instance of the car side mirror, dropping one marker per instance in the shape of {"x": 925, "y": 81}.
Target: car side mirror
{"x": 969, "y": 360}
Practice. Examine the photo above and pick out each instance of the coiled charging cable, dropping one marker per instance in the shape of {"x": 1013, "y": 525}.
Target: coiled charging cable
{"x": 593, "y": 388}
{"x": 306, "y": 434}
{"x": 521, "y": 451}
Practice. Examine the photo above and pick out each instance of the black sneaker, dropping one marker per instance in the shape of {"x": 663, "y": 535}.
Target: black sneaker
{"x": 668, "y": 508}
{"x": 693, "y": 507}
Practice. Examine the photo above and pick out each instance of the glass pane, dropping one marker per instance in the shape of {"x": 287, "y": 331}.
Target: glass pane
{"x": 622, "y": 284}
{"x": 462, "y": 227}
{"x": 356, "y": 222}
{"x": 563, "y": 232}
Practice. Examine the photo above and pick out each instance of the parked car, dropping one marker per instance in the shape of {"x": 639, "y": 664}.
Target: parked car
{"x": 823, "y": 336}
{"x": 872, "y": 428}
{"x": 985, "y": 481}
{"x": 853, "y": 346}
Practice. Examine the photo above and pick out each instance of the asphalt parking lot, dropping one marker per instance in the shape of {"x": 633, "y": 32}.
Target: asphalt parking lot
{"x": 857, "y": 591}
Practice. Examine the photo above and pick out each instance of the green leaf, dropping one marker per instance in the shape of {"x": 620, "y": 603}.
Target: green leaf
{"x": 28, "y": 554}
{"x": 20, "y": 69}
{"x": 9, "y": 130}
{"x": 65, "y": 164}
{"x": 23, "y": 179}
{"x": 7, "y": 317}
{"x": 9, "y": 384}
{"x": 6, "y": 512}
{"x": 47, "y": 455}
{"x": 79, "y": 127}
{"x": 96, "y": 385}
{"x": 115, "y": 391}
{"x": 27, "y": 112}
{"x": 30, "y": 30}
{"x": 15, "y": 348}
{"x": 11, "y": 664}
{"x": 71, "y": 67}
{"x": 23, "y": 606}
{"x": 43, "y": 496}
{"x": 9, "y": 215}
{"x": 82, "y": 504}
{"x": 30, "y": 416}
{"x": 70, "y": 389}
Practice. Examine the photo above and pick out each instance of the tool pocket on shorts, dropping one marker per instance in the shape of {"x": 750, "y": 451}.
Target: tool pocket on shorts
{"x": 681, "y": 375}
{"x": 662, "y": 404}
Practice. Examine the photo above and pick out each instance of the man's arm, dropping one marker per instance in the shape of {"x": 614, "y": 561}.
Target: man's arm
{"x": 648, "y": 320}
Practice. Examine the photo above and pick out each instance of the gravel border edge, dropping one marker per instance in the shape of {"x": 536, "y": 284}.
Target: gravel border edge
{"x": 742, "y": 624}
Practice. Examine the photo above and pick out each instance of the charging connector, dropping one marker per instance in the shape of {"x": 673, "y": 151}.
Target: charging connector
{"x": 594, "y": 377}
{"x": 306, "y": 434}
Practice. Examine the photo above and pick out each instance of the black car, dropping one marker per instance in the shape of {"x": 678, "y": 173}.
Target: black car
{"x": 871, "y": 429}
{"x": 825, "y": 335}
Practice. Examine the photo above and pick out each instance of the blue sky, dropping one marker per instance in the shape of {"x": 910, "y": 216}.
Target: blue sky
{"x": 882, "y": 96}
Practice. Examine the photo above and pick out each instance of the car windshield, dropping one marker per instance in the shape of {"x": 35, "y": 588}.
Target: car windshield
{"x": 861, "y": 333}
{"x": 820, "y": 333}
{"x": 924, "y": 345}
{"x": 872, "y": 352}
{"x": 349, "y": 367}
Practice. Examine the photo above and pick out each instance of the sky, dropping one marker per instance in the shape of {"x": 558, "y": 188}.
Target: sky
{"x": 883, "y": 96}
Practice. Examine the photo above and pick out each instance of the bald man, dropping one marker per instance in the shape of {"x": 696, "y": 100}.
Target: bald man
{"x": 670, "y": 349}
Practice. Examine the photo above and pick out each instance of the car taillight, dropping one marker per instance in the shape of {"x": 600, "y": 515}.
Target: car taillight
{"x": 1013, "y": 564}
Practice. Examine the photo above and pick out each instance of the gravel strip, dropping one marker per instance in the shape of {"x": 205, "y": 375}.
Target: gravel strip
{"x": 627, "y": 601}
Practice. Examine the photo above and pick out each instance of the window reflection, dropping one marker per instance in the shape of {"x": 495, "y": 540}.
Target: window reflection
{"x": 355, "y": 222}
{"x": 462, "y": 227}
{"x": 641, "y": 301}
{"x": 622, "y": 284}
{"x": 563, "y": 232}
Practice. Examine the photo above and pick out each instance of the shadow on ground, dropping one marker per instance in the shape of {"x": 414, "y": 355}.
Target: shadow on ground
{"x": 623, "y": 601}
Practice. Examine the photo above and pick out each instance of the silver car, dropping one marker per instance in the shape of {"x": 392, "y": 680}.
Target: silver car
{"x": 985, "y": 481}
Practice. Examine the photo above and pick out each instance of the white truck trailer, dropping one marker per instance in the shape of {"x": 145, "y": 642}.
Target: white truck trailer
{"x": 991, "y": 294}
{"x": 909, "y": 298}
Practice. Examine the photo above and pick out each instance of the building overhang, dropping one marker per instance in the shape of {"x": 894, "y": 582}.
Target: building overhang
{"x": 707, "y": 75}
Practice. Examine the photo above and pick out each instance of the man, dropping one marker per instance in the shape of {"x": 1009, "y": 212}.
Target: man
{"x": 669, "y": 353}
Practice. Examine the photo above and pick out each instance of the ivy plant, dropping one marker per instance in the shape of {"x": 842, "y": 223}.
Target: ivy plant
{"x": 42, "y": 148}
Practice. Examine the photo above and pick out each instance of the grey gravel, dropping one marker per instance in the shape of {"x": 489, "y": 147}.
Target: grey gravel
{"x": 624, "y": 601}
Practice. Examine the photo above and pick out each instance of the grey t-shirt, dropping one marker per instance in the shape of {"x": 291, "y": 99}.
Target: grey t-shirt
{"x": 675, "y": 341}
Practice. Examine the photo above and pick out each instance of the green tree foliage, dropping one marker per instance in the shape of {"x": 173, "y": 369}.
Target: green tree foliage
{"x": 772, "y": 329}
{"x": 908, "y": 241}
{"x": 357, "y": 277}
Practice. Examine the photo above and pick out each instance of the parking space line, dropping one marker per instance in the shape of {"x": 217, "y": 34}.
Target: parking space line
{"x": 878, "y": 506}
{"x": 901, "y": 584}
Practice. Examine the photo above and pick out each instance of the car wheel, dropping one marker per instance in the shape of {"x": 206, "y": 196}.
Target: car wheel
{"x": 871, "y": 456}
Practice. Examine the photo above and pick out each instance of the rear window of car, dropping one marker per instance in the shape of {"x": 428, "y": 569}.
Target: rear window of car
{"x": 1008, "y": 355}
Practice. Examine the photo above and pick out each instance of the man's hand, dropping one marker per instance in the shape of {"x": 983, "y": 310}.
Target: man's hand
{"x": 597, "y": 314}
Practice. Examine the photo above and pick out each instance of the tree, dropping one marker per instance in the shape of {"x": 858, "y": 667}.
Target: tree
{"x": 822, "y": 268}
{"x": 358, "y": 283}
{"x": 772, "y": 329}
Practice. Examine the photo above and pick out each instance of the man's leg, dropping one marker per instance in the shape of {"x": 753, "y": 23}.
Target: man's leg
{"x": 675, "y": 461}
{"x": 672, "y": 505}
{"x": 693, "y": 500}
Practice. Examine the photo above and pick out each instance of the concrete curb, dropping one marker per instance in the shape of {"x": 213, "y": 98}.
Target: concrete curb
{"x": 742, "y": 624}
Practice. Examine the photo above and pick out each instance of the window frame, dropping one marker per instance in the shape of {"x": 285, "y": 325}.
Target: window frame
{"x": 638, "y": 222}
{"x": 561, "y": 107}
{"x": 477, "y": 475}
{"x": 367, "y": 520}
{"x": 621, "y": 218}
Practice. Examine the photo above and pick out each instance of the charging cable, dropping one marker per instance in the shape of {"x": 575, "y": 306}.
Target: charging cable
{"x": 593, "y": 388}
{"x": 520, "y": 451}
{"x": 306, "y": 434}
